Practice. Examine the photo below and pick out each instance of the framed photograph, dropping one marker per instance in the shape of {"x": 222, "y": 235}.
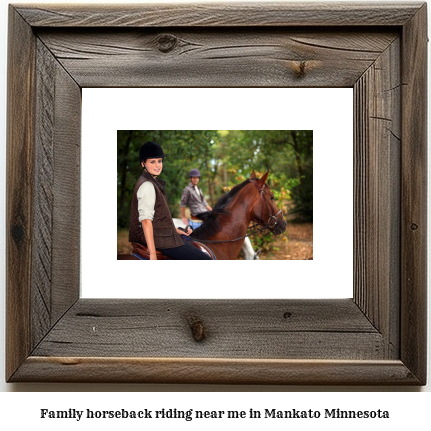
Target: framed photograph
{"x": 376, "y": 337}
{"x": 223, "y": 162}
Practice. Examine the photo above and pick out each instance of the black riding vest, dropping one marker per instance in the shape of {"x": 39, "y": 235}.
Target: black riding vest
{"x": 165, "y": 235}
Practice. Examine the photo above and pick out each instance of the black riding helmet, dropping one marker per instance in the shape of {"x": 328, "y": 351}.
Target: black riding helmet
{"x": 150, "y": 150}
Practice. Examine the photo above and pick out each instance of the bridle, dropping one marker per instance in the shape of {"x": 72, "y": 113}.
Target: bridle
{"x": 272, "y": 217}
{"x": 270, "y": 224}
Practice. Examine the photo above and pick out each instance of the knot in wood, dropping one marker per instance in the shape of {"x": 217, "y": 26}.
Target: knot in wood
{"x": 18, "y": 233}
{"x": 300, "y": 69}
{"x": 167, "y": 42}
{"x": 197, "y": 328}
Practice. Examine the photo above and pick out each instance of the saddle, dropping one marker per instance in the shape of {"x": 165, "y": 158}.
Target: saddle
{"x": 143, "y": 251}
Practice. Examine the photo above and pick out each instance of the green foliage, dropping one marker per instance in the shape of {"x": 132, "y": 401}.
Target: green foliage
{"x": 262, "y": 240}
{"x": 288, "y": 154}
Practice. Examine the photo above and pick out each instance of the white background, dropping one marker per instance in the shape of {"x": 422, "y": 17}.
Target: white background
{"x": 328, "y": 275}
{"x": 410, "y": 410}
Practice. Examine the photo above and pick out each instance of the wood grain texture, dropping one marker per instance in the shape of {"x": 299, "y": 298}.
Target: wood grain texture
{"x": 378, "y": 337}
{"x": 268, "y": 329}
{"x": 220, "y": 15}
{"x": 20, "y": 197}
{"x": 377, "y": 101}
{"x": 67, "y": 199}
{"x": 44, "y": 196}
{"x": 57, "y": 193}
{"x": 215, "y": 371}
{"x": 43, "y": 191}
{"x": 215, "y": 58}
{"x": 413, "y": 193}
{"x": 55, "y": 278}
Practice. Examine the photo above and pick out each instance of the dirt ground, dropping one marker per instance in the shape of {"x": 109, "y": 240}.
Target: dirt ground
{"x": 123, "y": 244}
{"x": 297, "y": 244}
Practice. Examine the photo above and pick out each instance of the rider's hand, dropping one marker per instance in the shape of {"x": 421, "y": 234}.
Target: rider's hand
{"x": 153, "y": 256}
{"x": 181, "y": 232}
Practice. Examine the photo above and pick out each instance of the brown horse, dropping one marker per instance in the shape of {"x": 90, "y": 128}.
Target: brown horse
{"x": 224, "y": 228}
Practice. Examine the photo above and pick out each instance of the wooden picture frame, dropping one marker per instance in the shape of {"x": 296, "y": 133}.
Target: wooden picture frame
{"x": 378, "y": 337}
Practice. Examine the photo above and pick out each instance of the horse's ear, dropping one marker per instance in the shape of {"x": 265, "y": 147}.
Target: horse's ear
{"x": 253, "y": 174}
{"x": 262, "y": 181}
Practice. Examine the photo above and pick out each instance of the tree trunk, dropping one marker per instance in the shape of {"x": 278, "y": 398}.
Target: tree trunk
{"x": 297, "y": 155}
{"x": 124, "y": 169}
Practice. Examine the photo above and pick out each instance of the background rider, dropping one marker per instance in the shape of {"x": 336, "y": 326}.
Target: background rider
{"x": 193, "y": 198}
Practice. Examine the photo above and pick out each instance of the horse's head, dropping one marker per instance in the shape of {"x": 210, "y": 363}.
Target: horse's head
{"x": 265, "y": 210}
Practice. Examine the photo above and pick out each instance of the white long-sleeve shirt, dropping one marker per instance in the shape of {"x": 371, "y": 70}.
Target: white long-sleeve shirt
{"x": 146, "y": 201}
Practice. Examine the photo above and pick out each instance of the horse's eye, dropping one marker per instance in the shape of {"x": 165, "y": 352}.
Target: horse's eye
{"x": 272, "y": 198}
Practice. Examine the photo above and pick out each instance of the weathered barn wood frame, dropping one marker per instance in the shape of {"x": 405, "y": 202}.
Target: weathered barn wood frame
{"x": 378, "y": 337}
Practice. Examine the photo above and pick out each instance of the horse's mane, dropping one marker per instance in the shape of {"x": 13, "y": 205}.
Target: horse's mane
{"x": 211, "y": 225}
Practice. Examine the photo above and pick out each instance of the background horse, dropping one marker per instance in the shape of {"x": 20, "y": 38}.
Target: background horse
{"x": 224, "y": 229}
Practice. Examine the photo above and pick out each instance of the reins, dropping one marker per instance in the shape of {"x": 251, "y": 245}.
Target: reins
{"x": 213, "y": 241}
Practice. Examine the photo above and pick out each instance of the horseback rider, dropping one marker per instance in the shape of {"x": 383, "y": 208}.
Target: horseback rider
{"x": 193, "y": 197}
{"x": 150, "y": 218}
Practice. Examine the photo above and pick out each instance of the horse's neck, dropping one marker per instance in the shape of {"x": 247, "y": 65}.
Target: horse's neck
{"x": 233, "y": 227}
{"x": 240, "y": 215}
